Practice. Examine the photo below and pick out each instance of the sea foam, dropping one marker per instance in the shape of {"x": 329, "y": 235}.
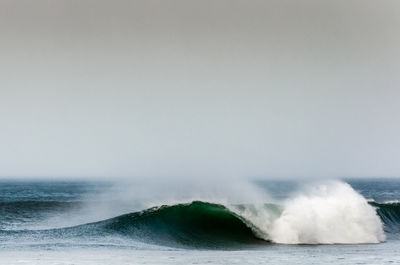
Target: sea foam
{"x": 330, "y": 213}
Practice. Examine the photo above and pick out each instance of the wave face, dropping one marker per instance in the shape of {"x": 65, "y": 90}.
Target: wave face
{"x": 197, "y": 224}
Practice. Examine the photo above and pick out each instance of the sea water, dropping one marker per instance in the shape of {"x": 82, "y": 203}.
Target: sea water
{"x": 316, "y": 222}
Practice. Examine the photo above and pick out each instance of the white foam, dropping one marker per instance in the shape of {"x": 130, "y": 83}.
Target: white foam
{"x": 330, "y": 213}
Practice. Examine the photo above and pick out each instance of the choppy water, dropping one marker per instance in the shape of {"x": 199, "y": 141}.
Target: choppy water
{"x": 346, "y": 222}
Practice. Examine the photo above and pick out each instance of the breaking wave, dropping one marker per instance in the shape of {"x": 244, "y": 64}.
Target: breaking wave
{"x": 324, "y": 214}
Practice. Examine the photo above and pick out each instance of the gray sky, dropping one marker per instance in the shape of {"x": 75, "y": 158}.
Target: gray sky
{"x": 199, "y": 88}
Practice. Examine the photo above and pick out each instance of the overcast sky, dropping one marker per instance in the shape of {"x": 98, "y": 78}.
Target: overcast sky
{"x": 199, "y": 88}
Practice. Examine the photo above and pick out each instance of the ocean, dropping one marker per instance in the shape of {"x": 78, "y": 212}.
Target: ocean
{"x": 350, "y": 221}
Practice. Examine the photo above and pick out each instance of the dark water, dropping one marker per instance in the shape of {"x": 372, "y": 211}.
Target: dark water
{"x": 43, "y": 215}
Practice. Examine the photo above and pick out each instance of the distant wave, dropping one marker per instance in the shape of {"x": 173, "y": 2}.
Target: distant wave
{"x": 14, "y": 214}
{"x": 37, "y": 205}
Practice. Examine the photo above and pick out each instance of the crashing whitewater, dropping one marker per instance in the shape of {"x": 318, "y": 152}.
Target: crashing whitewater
{"x": 325, "y": 214}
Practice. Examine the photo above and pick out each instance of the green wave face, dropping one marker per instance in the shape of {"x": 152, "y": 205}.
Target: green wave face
{"x": 390, "y": 216}
{"x": 198, "y": 224}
